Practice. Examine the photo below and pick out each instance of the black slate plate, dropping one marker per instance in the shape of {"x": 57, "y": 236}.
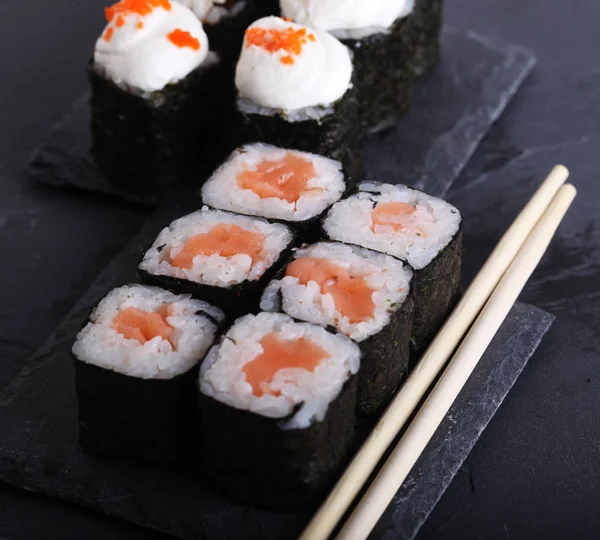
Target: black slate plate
{"x": 453, "y": 109}
{"x": 39, "y": 451}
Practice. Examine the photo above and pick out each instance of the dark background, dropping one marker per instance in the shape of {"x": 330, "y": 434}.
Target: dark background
{"x": 535, "y": 473}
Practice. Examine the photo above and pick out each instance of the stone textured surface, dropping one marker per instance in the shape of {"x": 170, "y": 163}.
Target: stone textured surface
{"x": 454, "y": 107}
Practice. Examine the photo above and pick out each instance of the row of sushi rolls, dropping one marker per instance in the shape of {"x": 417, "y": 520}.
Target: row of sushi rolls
{"x": 289, "y": 308}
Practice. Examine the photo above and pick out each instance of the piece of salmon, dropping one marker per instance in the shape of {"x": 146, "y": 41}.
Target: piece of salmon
{"x": 352, "y": 295}
{"x": 225, "y": 240}
{"x": 143, "y": 326}
{"x": 285, "y": 179}
{"x": 396, "y": 215}
{"x": 280, "y": 353}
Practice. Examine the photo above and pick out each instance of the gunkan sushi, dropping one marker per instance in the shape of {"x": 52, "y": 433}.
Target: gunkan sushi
{"x": 155, "y": 91}
{"x": 426, "y": 32}
{"x": 381, "y": 35}
{"x": 277, "y": 404}
{"x": 136, "y": 363}
{"x": 223, "y": 258}
{"x": 276, "y": 183}
{"x": 295, "y": 90}
{"x": 424, "y": 231}
{"x": 361, "y": 293}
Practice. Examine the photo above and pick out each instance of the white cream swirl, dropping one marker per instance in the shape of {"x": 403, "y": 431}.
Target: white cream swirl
{"x": 346, "y": 14}
{"x": 316, "y": 69}
{"x": 136, "y": 50}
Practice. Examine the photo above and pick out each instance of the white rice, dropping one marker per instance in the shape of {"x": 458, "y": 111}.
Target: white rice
{"x": 429, "y": 230}
{"x": 223, "y": 191}
{"x": 389, "y": 278}
{"x": 101, "y": 345}
{"x": 222, "y": 376}
{"x": 215, "y": 270}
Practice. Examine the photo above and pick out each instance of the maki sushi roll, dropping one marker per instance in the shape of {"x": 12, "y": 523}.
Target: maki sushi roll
{"x": 277, "y": 404}
{"x": 295, "y": 90}
{"x": 426, "y": 31}
{"x": 424, "y": 231}
{"x": 381, "y": 35}
{"x": 155, "y": 91}
{"x": 136, "y": 364}
{"x": 286, "y": 185}
{"x": 223, "y": 258}
{"x": 361, "y": 293}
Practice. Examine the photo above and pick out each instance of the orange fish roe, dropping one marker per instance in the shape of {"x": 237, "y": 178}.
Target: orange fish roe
{"x": 272, "y": 40}
{"x": 285, "y": 179}
{"x": 392, "y": 214}
{"x": 120, "y": 21}
{"x": 108, "y": 34}
{"x": 134, "y": 323}
{"x": 281, "y": 354}
{"x": 139, "y": 7}
{"x": 182, "y": 38}
{"x": 139, "y": 25}
{"x": 352, "y": 295}
{"x": 224, "y": 240}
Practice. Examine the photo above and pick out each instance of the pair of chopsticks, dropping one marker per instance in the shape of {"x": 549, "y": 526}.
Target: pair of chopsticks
{"x": 485, "y": 305}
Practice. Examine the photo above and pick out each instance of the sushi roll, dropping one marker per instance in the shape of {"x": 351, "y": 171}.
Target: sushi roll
{"x": 295, "y": 90}
{"x": 426, "y": 32}
{"x": 136, "y": 365}
{"x": 223, "y": 258}
{"x": 154, "y": 94}
{"x": 422, "y": 230}
{"x": 361, "y": 293}
{"x": 381, "y": 36}
{"x": 290, "y": 186}
{"x": 277, "y": 404}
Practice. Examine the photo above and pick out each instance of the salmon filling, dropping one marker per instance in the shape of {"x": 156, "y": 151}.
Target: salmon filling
{"x": 392, "y": 214}
{"x": 134, "y": 323}
{"x": 280, "y": 354}
{"x": 352, "y": 295}
{"x": 285, "y": 179}
{"x": 225, "y": 240}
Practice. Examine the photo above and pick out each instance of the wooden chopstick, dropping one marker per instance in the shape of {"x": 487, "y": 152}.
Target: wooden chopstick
{"x": 432, "y": 362}
{"x": 435, "y": 408}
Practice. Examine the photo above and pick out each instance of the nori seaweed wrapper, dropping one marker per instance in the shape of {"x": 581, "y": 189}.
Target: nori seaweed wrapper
{"x": 385, "y": 356}
{"x": 146, "y": 420}
{"x": 253, "y": 460}
{"x": 426, "y": 21}
{"x": 236, "y": 300}
{"x": 436, "y": 289}
{"x": 383, "y": 64}
{"x": 167, "y": 136}
{"x": 333, "y": 134}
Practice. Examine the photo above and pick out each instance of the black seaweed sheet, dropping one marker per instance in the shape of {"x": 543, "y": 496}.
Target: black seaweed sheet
{"x": 39, "y": 450}
{"x": 453, "y": 108}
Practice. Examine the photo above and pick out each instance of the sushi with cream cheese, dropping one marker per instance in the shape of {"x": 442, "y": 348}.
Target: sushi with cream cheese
{"x": 381, "y": 35}
{"x": 277, "y": 404}
{"x": 363, "y": 294}
{"x": 295, "y": 90}
{"x": 221, "y": 257}
{"x": 422, "y": 230}
{"x": 290, "y": 186}
{"x": 136, "y": 362}
{"x": 155, "y": 91}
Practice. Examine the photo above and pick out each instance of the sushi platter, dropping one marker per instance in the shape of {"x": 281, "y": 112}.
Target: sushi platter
{"x": 221, "y": 373}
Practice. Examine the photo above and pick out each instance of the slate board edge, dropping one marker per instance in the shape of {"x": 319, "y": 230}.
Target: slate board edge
{"x": 529, "y": 61}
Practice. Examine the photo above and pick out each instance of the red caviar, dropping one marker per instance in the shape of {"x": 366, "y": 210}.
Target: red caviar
{"x": 139, "y": 25}
{"x": 272, "y": 40}
{"x": 120, "y": 21}
{"x": 139, "y": 7}
{"x": 108, "y": 34}
{"x": 182, "y": 38}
